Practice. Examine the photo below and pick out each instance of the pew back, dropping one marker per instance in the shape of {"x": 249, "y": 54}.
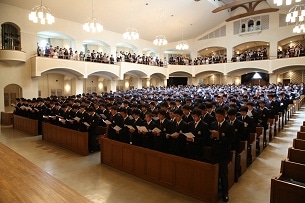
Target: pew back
{"x": 296, "y": 155}
{"x": 292, "y": 170}
{"x": 299, "y": 144}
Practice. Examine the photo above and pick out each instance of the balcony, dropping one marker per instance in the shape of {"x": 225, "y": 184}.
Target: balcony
{"x": 12, "y": 57}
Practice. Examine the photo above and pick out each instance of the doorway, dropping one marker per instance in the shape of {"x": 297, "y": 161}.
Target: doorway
{"x": 11, "y": 93}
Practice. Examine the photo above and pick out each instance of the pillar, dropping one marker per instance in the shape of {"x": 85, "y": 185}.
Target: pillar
{"x": 79, "y": 85}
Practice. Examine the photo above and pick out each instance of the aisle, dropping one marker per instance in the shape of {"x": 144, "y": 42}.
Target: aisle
{"x": 254, "y": 185}
{"x": 101, "y": 183}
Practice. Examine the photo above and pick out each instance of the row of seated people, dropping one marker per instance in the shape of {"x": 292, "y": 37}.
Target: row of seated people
{"x": 293, "y": 51}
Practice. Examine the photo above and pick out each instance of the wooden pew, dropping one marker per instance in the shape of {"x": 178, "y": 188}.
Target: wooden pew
{"x": 299, "y": 144}
{"x": 271, "y": 128}
{"x": 285, "y": 191}
{"x": 296, "y": 155}
{"x": 27, "y": 125}
{"x": 6, "y": 118}
{"x": 267, "y": 135}
{"x": 302, "y": 128}
{"x": 231, "y": 170}
{"x": 303, "y": 123}
{"x": 252, "y": 148}
{"x": 243, "y": 155}
{"x": 281, "y": 120}
{"x": 301, "y": 135}
{"x": 260, "y": 140}
{"x": 193, "y": 178}
{"x": 276, "y": 125}
{"x": 73, "y": 140}
{"x": 293, "y": 170}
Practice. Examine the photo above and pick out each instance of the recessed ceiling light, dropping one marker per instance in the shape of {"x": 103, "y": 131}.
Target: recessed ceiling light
{"x": 146, "y": 4}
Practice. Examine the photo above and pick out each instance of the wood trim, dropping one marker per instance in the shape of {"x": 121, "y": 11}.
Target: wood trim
{"x": 267, "y": 10}
{"x": 233, "y": 4}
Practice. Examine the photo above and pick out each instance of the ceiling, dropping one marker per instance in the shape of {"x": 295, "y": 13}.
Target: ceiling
{"x": 193, "y": 17}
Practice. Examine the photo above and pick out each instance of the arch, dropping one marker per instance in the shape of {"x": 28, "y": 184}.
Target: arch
{"x": 11, "y": 38}
{"x": 288, "y": 68}
{"x": 209, "y": 51}
{"x": 292, "y": 42}
{"x": 180, "y": 74}
{"x": 97, "y": 45}
{"x": 149, "y": 52}
{"x": 64, "y": 71}
{"x": 250, "y": 24}
{"x": 253, "y": 50}
{"x": 126, "y": 47}
{"x": 54, "y": 34}
{"x": 243, "y": 27}
{"x": 242, "y": 71}
{"x": 160, "y": 75}
{"x": 105, "y": 74}
{"x": 137, "y": 73}
{"x": 11, "y": 92}
{"x": 258, "y": 25}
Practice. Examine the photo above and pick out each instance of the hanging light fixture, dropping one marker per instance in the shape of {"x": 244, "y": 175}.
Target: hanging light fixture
{"x": 41, "y": 14}
{"x": 288, "y": 2}
{"x": 296, "y": 14}
{"x": 131, "y": 32}
{"x": 160, "y": 40}
{"x": 93, "y": 24}
{"x": 182, "y": 45}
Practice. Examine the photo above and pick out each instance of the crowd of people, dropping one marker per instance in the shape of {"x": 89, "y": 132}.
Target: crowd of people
{"x": 176, "y": 120}
{"x": 293, "y": 51}
{"x": 258, "y": 54}
{"x": 93, "y": 56}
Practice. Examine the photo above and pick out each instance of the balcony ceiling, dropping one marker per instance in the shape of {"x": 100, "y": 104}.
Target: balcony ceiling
{"x": 197, "y": 16}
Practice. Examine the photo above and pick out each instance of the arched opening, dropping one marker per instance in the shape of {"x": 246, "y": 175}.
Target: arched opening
{"x": 11, "y": 92}
{"x": 95, "y": 51}
{"x": 126, "y": 52}
{"x": 250, "y": 25}
{"x": 250, "y": 51}
{"x": 258, "y": 25}
{"x": 255, "y": 78}
{"x": 243, "y": 27}
{"x": 55, "y": 44}
{"x": 175, "y": 57}
{"x": 211, "y": 55}
{"x": 291, "y": 47}
{"x": 10, "y": 36}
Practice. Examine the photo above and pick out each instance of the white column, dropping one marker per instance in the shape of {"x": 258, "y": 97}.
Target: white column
{"x": 111, "y": 85}
{"x": 273, "y": 78}
{"x": 79, "y": 86}
{"x": 138, "y": 85}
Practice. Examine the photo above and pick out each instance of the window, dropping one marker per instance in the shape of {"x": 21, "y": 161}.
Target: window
{"x": 250, "y": 25}
{"x": 10, "y": 36}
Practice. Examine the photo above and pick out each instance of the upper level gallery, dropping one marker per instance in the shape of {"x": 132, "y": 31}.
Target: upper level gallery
{"x": 83, "y": 69}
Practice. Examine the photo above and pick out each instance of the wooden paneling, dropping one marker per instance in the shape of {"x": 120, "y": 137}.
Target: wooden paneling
{"x": 194, "y": 178}
{"x": 73, "y": 140}
{"x": 299, "y": 144}
{"x": 27, "y": 125}
{"x": 6, "y": 118}
{"x": 22, "y": 181}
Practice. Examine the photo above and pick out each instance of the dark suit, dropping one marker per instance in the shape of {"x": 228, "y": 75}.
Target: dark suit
{"x": 93, "y": 121}
{"x": 188, "y": 118}
{"x": 202, "y": 137}
{"x": 124, "y": 133}
{"x": 148, "y": 137}
{"x": 177, "y": 145}
{"x": 136, "y": 138}
{"x": 160, "y": 142}
{"x": 221, "y": 148}
{"x": 249, "y": 127}
{"x": 208, "y": 119}
{"x": 116, "y": 120}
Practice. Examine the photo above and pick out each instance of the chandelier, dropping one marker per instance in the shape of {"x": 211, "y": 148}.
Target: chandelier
{"x": 296, "y": 14}
{"x": 288, "y": 2}
{"x": 41, "y": 14}
{"x": 160, "y": 40}
{"x": 92, "y": 24}
{"x": 131, "y": 32}
{"x": 182, "y": 45}
{"x": 300, "y": 27}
